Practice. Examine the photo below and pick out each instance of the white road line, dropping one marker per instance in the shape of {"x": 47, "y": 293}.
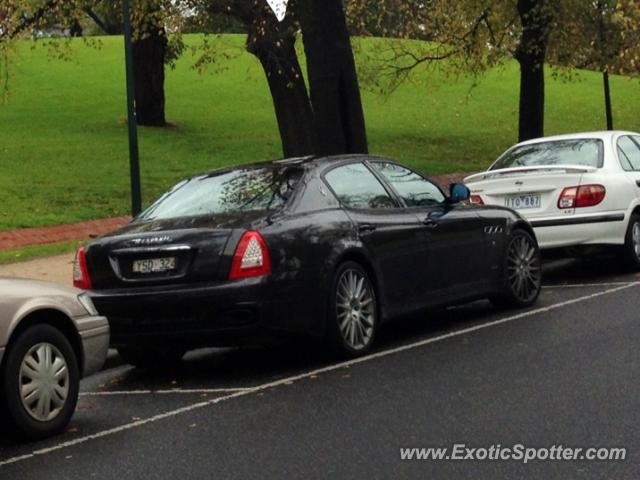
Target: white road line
{"x": 295, "y": 378}
{"x": 187, "y": 391}
{"x": 587, "y": 285}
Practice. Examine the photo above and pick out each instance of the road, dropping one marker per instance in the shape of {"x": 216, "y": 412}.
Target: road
{"x": 565, "y": 372}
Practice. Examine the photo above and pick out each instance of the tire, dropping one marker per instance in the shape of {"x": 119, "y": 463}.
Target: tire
{"x": 352, "y": 316}
{"x": 630, "y": 252}
{"x": 151, "y": 358}
{"x": 522, "y": 272}
{"x": 41, "y": 351}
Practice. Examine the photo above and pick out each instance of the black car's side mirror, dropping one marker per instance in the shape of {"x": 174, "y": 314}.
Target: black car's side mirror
{"x": 458, "y": 192}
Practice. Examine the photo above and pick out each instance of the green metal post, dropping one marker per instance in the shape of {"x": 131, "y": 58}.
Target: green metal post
{"x": 134, "y": 162}
{"x": 607, "y": 100}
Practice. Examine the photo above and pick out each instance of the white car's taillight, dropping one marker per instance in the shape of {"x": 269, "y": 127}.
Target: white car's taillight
{"x": 251, "y": 258}
{"x": 81, "y": 277}
{"x": 476, "y": 199}
{"x": 582, "y": 196}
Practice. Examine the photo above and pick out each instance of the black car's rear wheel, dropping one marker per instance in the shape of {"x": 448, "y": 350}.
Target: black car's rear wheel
{"x": 522, "y": 275}
{"x": 151, "y": 358}
{"x": 40, "y": 382}
{"x": 353, "y": 311}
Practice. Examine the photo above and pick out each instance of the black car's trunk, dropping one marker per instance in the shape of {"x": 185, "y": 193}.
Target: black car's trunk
{"x": 192, "y": 249}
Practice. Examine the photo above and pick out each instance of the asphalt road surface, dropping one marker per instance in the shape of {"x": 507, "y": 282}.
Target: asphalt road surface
{"x": 566, "y": 372}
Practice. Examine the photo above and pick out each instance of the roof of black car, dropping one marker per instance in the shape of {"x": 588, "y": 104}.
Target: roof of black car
{"x": 293, "y": 161}
{"x": 325, "y": 159}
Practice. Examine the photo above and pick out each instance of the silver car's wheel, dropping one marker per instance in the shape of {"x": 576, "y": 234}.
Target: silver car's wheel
{"x": 40, "y": 382}
{"x": 355, "y": 309}
{"x": 44, "y": 382}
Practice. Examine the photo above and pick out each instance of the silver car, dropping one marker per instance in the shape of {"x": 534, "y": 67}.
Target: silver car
{"x": 50, "y": 337}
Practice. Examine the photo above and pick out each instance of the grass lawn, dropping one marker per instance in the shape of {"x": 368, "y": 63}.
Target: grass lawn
{"x": 63, "y": 139}
{"x": 30, "y": 253}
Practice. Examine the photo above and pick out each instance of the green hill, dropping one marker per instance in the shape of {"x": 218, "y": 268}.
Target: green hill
{"x": 63, "y": 140}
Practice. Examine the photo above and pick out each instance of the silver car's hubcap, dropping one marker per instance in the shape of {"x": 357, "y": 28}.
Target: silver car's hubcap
{"x": 356, "y": 309}
{"x": 523, "y": 268}
{"x": 44, "y": 382}
{"x": 635, "y": 236}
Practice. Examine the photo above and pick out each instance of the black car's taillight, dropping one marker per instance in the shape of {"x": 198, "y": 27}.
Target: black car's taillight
{"x": 251, "y": 258}
{"x": 81, "y": 278}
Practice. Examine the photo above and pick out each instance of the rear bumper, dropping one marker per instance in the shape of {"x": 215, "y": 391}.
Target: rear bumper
{"x": 209, "y": 315}
{"x": 595, "y": 229}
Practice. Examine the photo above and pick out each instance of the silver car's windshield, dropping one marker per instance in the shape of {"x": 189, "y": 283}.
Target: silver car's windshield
{"x": 585, "y": 152}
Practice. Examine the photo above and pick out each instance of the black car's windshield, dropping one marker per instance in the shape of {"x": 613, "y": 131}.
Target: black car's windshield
{"x": 255, "y": 189}
{"x": 584, "y": 152}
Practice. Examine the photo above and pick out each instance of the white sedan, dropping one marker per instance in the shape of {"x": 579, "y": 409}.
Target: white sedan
{"x": 575, "y": 190}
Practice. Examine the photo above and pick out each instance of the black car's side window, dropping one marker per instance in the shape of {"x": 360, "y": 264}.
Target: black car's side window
{"x": 629, "y": 154}
{"x": 356, "y": 187}
{"x": 416, "y": 191}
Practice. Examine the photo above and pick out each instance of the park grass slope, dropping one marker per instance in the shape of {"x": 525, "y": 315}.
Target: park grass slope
{"x": 63, "y": 140}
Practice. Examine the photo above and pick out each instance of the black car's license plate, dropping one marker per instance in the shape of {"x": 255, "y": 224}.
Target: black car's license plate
{"x": 154, "y": 265}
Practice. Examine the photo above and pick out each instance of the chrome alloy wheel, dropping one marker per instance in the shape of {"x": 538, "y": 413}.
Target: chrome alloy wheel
{"x": 523, "y": 268}
{"x": 355, "y": 309}
{"x": 44, "y": 382}
{"x": 635, "y": 238}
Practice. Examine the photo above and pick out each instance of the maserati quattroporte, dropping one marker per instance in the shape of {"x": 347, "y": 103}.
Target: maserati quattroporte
{"x": 326, "y": 247}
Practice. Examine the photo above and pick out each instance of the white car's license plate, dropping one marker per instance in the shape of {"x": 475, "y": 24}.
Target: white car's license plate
{"x": 154, "y": 265}
{"x": 522, "y": 202}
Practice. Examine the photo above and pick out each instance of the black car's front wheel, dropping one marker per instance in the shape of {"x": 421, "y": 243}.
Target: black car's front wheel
{"x": 522, "y": 274}
{"x": 353, "y": 311}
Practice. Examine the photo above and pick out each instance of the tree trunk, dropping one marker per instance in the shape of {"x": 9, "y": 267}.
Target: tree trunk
{"x": 531, "y": 55}
{"x": 288, "y": 91}
{"x": 339, "y": 124}
{"x": 75, "y": 29}
{"x": 148, "y": 58}
{"x": 531, "y": 119}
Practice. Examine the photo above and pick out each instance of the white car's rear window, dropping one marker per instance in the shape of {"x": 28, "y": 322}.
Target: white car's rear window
{"x": 584, "y": 152}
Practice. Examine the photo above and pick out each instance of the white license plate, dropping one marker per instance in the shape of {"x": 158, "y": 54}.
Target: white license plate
{"x": 522, "y": 202}
{"x": 154, "y": 265}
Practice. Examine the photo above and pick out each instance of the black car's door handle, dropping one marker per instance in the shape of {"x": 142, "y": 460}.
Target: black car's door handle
{"x": 366, "y": 227}
{"x": 430, "y": 223}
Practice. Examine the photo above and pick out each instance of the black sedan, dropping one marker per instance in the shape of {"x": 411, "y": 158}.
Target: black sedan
{"x": 326, "y": 247}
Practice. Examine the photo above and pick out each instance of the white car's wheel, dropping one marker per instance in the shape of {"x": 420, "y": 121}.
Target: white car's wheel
{"x": 631, "y": 250}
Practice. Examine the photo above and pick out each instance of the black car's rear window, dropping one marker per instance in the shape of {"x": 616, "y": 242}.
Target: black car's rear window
{"x": 588, "y": 152}
{"x": 231, "y": 191}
